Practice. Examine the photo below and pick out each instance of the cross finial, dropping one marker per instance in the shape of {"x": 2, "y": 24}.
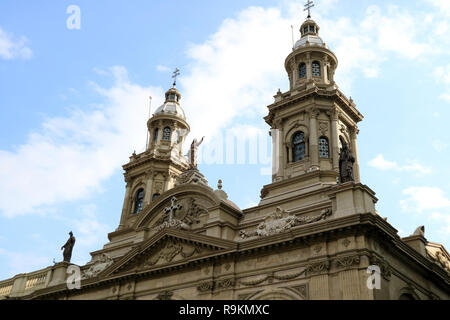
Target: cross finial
{"x": 308, "y": 7}
{"x": 176, "y": 73}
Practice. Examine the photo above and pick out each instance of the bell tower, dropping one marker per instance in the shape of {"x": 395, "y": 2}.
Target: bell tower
{"x": 311, "y": 122}
{"x": 153, "y": 172}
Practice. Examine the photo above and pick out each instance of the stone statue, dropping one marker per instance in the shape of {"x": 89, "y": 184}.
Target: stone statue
{"x": 194, "y": 151}
{"x": 346, "y": 161}
{"x": 68, "y": 247}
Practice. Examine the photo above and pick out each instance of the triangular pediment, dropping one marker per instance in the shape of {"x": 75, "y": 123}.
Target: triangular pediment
{"x": 169, "y": 248}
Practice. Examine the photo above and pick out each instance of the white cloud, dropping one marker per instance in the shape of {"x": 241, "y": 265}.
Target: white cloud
{"x": 12, "y": 48}
{"x": 442, "y": 75}
{"x": 362, "y": 46}
{"x": 236, "y": 71}
{"x": 442, "y": 5}
{"x": 71, "y": 156}
{"x": 422, "y": 199}
{"x": 431, "y": 201}
{"x": 234, "y": 74}
{"x": 444, "y": 222}
{"x": 162, "y": 68}
{"x": 439, "y": 145}
{"x": 382, "y": 164}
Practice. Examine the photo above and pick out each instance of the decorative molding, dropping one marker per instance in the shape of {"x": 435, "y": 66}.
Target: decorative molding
{"x": 302, "y": 290}
{"x": 441, "y": 260}
{"x": 323, "y": 128}
{"x": 271, "y": 277}
{"x": 317, "y": 249}
{"x": 191, "y": 176}
{"x": 384, "y": 267}
{"x": 318, "y": 267}
{"x": 314, "y": 113}
{"x": 182, "y": 219}
{"x": 207, "y": 286}
{"x": 282, "y": 221}
{"x": 225, "y": 283}
{"x": 166, "y": 295}
{"x": 346, "y": 243}
{"x": 346, "y": 262}
{"x": 193, "y": 212}
{"x": 173, "y": 224}
{"x": 171, "y": 249}
{"x": 247, "y": 296}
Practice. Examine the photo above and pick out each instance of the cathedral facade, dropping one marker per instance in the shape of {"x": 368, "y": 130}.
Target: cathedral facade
{"x": 315, "y": 235}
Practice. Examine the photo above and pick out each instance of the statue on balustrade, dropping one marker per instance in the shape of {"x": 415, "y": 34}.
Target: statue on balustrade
{"x": 68, "y": 247}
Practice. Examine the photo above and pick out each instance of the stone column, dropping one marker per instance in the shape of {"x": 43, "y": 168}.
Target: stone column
{"x": 282, "y": 160}
{"x": 319, "y": 288}
{"x": 354, "y": 148}
{"x": 125, "y": 208}
{"x": 325, "y": 65}
{"x": 294, "y": 72}
{"x": 166, "y": 181}
{"x": 148, "y": 188}
{"x": 308, "y": 66}
{"x": 335, "y": 138}
{"x": 275, "y": 134}
{"x": 313, "y": 139}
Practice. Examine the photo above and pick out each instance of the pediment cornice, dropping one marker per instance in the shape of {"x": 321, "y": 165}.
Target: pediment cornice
{"x": 155, "y": 208}
{"x": 167, "y": 248}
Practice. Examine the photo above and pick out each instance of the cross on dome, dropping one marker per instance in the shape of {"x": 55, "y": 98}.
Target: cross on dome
{"x": 308, "y": 7}
{"x": 176, "y": 73}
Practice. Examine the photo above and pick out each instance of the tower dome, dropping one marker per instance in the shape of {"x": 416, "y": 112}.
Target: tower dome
{"x": 168, "y": 127}
{"x": 172, "y": 104}
{"x": 309, "y": 35}
{"x": 310, "y": 60}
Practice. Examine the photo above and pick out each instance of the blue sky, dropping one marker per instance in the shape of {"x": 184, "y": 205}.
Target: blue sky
{"x": 74, "y": 105}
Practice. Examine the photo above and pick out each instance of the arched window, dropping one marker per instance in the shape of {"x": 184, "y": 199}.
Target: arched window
{"x": 139, "y": 201}
{"x": 302, "y": 70}
{"x": 155, "y": 136}
{"x": 324, "y": 148}
{"x": 298, "y": 146}
{"x": 155, "y": 196}
{"x": 316, "y": 69}
{"x": 166, "y": 134}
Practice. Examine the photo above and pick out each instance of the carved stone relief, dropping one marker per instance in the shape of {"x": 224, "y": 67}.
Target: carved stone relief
{"x": 323, "y": 128}
{"x": 301, "y": 290}
{"x": 166, "y": 295}
{"x": 98, "y": 266}
{"x": 206, "y": 286}
{"x": 346, "y": 262}
{"x": 282, "y": 221}
{"x": 384, "y": 267}
{"x": 270, "y": 277}
{"x": 180, "y": 215}
{"x": 171, "y": 249}
{"x": 319, "y": 267}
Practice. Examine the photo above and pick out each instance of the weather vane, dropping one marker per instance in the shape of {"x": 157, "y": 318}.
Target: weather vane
{"x": 308, "y": 7}
{"x": 176, "y": 73}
